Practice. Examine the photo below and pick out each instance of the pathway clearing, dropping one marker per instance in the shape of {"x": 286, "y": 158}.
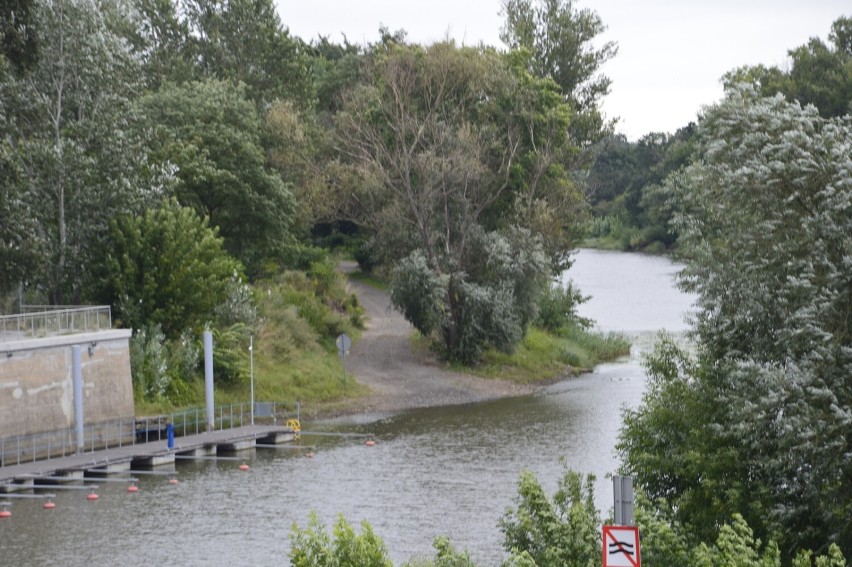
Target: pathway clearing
{"x": 399, "y": 378}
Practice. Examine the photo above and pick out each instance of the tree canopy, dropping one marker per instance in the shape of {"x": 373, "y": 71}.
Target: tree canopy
{"x": 756, "y": 423}
{"x": 452, "y": 143}
{"x": 211, "y": 133}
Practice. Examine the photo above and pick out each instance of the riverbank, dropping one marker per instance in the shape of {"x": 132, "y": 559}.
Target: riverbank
{"x": 401, "y": 377}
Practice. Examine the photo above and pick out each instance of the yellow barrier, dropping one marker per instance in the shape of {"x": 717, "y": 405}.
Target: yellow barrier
{"x": 295, "y": 426}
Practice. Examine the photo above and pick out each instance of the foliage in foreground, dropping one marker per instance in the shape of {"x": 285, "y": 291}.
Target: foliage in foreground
{"x": 563, "y": 530}
{"x": 757, "y": 422}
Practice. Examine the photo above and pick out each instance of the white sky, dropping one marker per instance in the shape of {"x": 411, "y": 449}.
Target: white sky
{"x": 672, "y": 53}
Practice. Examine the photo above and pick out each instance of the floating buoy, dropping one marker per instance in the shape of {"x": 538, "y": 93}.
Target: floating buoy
{"x": 172, "y": 481}
{"x": 49, "y": 505}
{"x": 132, "y": 488}
{"x": 370, "y": 443}
{"x": 244, "y": 467}
{"x": 5, "y": 514}
{"x": 92, "y": 496}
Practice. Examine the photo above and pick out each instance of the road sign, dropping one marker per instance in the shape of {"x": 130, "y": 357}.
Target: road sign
{"x": 343, "y": 344}
{"x": 621, "y": 546}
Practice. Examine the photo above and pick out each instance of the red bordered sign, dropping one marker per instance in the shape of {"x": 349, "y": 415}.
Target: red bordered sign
{"x": 621, "y": 546}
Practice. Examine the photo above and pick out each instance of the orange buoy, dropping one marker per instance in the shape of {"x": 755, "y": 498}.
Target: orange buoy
{"x": 49, "y": 505}
{"x": 91, "y": 496}
{"x": 370, "y": 443}
{"x": 132, "y": 488}
{"x": 244, "y": 467}
{"x": 172, "y": 481}
{"x": 5, "y": 514}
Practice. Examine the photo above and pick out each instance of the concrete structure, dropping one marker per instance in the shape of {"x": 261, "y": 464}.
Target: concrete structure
{"x": 37, "y": 393}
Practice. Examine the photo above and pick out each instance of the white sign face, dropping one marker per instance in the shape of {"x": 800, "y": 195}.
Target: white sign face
{"x": 621, "y": 546}
{"x": 343, "y": 344}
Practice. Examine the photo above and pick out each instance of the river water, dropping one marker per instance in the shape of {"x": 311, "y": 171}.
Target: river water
{"x": 444, "y": 471}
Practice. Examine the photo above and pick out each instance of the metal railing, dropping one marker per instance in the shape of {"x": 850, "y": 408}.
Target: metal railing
{"x": 60, "y": 443}
{"x": 45, "y": 321}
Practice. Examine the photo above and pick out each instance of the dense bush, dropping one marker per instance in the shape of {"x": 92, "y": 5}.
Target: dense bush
{"x": 557, "y": 308}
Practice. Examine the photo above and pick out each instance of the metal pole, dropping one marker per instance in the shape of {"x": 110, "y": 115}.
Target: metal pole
{"x": 251, "y": 363}
{"x": 208, "y": 379}
{"x": 77, "y": 375}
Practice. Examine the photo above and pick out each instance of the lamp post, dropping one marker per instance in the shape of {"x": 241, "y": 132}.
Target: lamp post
{"x": 251, "y": 363}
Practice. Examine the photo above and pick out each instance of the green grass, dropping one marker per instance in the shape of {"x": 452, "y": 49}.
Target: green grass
{"x": 295, "y": 354}
{"x": 543, "y": 357}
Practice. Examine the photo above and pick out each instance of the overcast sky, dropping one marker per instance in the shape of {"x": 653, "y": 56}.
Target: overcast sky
{"x": 672, "y": 53}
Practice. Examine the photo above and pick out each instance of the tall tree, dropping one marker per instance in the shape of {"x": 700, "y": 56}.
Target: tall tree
{"x": 244, "y": 41}
{"x": 211, "y": 134}
{"x": 159, "y": 38}
{"x": 558, "y": 40}
{"x": 818, "y": 74}
{"x": 758, "y": 422}
{"x": 18, "y": 35}
{"x": 71, "y": 129}
{"x": 168, "y": 268}
{"x": 455, "y": 143}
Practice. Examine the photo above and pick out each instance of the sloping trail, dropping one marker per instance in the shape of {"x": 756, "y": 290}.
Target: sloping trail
{"x": 399, "y": 378}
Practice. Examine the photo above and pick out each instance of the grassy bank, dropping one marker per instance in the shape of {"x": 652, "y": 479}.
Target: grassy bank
{"x": 294, "y": 354}
{"x": 544, "y": 357}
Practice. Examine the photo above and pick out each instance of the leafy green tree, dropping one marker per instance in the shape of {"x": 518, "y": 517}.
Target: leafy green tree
{"x": 756, "y": 423}
{"x": 168, "y": 268}
{"x": 20, "y": 254}
{"x": 819, "y": 74}
{"x": 75, "y": 142}
{"x": 19, "y": 43}
{"x": 211, "y": 134}
{"x": 627, "y": 190}
{"x": 243, "y": 41}
{"x": 562, "y": 531}
{"x": 488, "y": 305}
{"x": 559, "y": 42}
{"x": 159, "y": 38}
{"x": 312, "y": 546}
{"x": 453, "y": 144}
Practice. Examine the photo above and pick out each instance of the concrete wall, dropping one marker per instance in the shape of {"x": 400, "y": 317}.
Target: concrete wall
{"x": 36, "y": 382}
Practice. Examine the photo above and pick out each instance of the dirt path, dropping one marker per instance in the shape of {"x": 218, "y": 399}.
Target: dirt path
{"x": 399, "y": 378}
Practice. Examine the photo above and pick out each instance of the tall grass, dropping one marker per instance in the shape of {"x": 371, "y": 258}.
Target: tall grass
{"x": 296, "y": 355}
{"x": 544, "y": 356}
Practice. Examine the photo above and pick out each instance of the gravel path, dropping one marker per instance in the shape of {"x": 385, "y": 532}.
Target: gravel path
{"x": 399, "y": 378}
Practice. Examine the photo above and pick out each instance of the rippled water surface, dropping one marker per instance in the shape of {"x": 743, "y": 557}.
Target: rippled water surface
{"x": 450, "y": 471}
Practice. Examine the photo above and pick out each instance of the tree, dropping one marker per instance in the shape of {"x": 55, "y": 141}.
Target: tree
{"x": 312, "y": 547}
{"x": 564, "y": 531}
{"x": 20, "y": 254}
{"x": 211, "y": 134}
{"x": 243, "y": 41}
{"x": 489, "y": 304}
{"x": 627, "y": 189}
{"x": 75, "y": 144}
{"x": 168, "y": 268}
{"x": 18, "y": 35}
{"x": 757, "y": 422}
{"x": 559, "y": 45}
{"x": 158, "y": 37}
{"x": 819, "y": 74}
{"x": 453, "y": 143}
